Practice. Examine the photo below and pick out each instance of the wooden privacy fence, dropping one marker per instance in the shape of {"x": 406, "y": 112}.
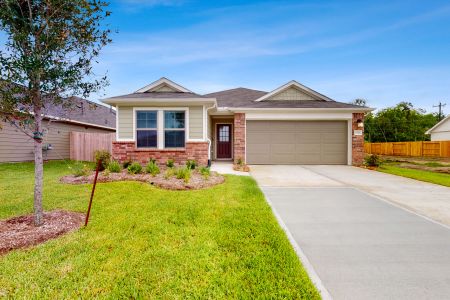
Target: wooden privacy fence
{"x": 430, "y": 149}
{"x": 83, "y": 144}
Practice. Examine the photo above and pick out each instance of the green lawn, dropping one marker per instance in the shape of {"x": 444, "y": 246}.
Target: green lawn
{"x": 144, "y": 242}
{"x": 423, "y": 175}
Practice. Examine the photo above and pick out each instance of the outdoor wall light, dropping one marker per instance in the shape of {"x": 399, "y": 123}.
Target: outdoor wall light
{"x": 360, "y": 123}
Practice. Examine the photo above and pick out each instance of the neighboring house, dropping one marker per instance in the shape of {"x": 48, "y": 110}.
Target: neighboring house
{"x": 83, "y": 116}
{"x": 292, "y": 124}
{"x": 440, "y": 131}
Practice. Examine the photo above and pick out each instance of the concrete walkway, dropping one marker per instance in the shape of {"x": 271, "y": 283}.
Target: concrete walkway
{"x": 360, "y": 246}
{"x": 226, "y": 167}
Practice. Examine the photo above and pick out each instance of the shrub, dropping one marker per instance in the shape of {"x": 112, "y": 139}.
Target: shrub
{"x": 80, "y": 169}
{"x": 105, "y": 156}
{"x": 152, "y": 168}
{"x": 191, "y": 164}
{"x": 372, "y": 160}
{"x": 170, "y": 163}
{"x": 205, "y": 171}
{"x": 169, "y": 173}
{"x": 114, "y": 167}
{"x": 134, "y": 168}
{"x": 183, "y": 173}
{"x": 126, "y": 164}
{"x": 239, "y": 162}
{"x": 106, "y": 172}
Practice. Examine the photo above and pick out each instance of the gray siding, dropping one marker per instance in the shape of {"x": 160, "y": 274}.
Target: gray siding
{"x": 125, "y": 119}
{"x": 196, "y": 122}
{"x": 292, "y": 94}
{"x": 17, "y": 146}
{"x": 125, "y": 126}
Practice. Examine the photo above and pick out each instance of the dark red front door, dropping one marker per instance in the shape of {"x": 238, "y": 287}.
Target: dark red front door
{"x": 223, "y": 140}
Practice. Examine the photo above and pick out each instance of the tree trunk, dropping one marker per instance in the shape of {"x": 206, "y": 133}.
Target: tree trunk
{"x": 38, "y": 168}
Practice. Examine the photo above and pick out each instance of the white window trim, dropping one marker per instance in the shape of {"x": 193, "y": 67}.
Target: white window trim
{"x": 160, "y": 124}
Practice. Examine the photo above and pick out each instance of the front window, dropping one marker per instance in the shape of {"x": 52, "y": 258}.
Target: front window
{"x": 174, "y": 129}
{"x": 147, "y": 129}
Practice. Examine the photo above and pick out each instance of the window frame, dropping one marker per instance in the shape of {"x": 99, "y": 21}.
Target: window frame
{"x": 160, "y": 126}
{"x": 164, "y": 129}
{"x": 147, "y": 129}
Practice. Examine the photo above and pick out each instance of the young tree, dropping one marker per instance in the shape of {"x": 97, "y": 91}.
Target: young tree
{"x": 48, "y": 56}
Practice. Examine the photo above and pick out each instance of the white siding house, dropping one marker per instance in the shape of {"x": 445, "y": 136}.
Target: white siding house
{"x": 441, "y": 131}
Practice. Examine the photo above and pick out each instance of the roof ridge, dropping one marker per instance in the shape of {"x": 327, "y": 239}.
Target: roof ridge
{"x": 237, "y": 88}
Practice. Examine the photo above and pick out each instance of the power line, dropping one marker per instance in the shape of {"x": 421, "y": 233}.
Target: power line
{"x": 440, "y": 105}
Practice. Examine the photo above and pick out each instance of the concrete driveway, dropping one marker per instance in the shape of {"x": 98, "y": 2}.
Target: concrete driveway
{"x": 353, "y": 241}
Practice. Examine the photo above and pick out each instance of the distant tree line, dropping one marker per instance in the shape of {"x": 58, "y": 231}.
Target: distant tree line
{"x": 400, "y": 123}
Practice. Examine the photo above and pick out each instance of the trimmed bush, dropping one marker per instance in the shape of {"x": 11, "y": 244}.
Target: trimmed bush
{"x": 134, "y": 168}
{"x": 170, "y": 163}
{"x": 205, "y": 171}
{"x": 372, "y": 160}
{"x": 114, "y": 167}
{"x": 105, "y": 156}
{"x": 152, "y": 168}
{"x": 191, "y": 164}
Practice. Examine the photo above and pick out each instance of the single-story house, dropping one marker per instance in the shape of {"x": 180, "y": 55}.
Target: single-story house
{"x": 59, "y": 121}
{"x": 440, "y": 131}
{"x": 292, "y": 124}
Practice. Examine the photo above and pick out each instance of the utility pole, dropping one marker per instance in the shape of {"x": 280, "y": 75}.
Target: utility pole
{"x": 440, "y": 105}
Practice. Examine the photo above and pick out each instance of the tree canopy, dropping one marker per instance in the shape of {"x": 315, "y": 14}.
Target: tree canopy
{"x": 400, "y": 123}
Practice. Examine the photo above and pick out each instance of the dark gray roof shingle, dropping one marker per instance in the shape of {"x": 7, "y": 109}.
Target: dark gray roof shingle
{"x": 159, "y": 95}
{"x": 245, "y": 98}
{"x": 85, "y": 111}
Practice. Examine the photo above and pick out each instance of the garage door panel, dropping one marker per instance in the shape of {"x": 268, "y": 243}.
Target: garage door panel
{"x": 308, "y": 158}
{"x": 307, "y": 138}
{"x": 333, "y": 138}
{"x": 277, "y": 149}
{"x": 258, "y": 148}
{"x": 282, "y": 138}
{"x": 297, "y": 142}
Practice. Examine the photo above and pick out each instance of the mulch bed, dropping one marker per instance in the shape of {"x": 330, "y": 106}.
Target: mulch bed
{"x": 20, "y": 232}
{"x": 197, "y": 181}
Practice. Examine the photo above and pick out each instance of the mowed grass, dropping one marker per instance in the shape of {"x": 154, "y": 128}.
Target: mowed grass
{"x": 144, "y": 242}
{"x": 422, "y": 175}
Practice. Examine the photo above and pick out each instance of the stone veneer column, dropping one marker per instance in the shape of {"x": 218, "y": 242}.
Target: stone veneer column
{"x": 239, "y": 137}
{"x": 357, "y": 140}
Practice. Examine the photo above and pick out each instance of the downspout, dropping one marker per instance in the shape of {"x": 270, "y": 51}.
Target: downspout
{"x": 207, "y": 138}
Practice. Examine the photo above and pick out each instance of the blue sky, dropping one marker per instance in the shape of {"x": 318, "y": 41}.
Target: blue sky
{"x": 383, "y": 51}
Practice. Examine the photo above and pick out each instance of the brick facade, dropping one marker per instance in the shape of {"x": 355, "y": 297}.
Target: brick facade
{"x": 123, "y": 151}
{"x": 239, "y": 136}
{"x": 357, "y": 140}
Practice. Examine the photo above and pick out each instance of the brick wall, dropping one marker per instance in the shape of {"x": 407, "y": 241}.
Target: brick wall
{"x": 357, "y": 141}
{"x": 123, "y": 151}
{"x": 239, "y": 136}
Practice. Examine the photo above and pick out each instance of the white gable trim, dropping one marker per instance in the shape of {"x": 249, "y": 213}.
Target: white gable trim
{"x": 301, "y": 87}
{"x": 429, "y": 131}
{"x": 162, "y": 81}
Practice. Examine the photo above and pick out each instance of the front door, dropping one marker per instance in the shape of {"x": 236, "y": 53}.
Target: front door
{"x": 223, "y": 141}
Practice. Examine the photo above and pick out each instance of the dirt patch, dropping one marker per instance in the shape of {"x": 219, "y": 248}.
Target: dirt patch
{"x": 20, "y": 232}
{"x": 197, "y": 181}
{"x": 414, "y": 159}
{"x": 445, "y": 170}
